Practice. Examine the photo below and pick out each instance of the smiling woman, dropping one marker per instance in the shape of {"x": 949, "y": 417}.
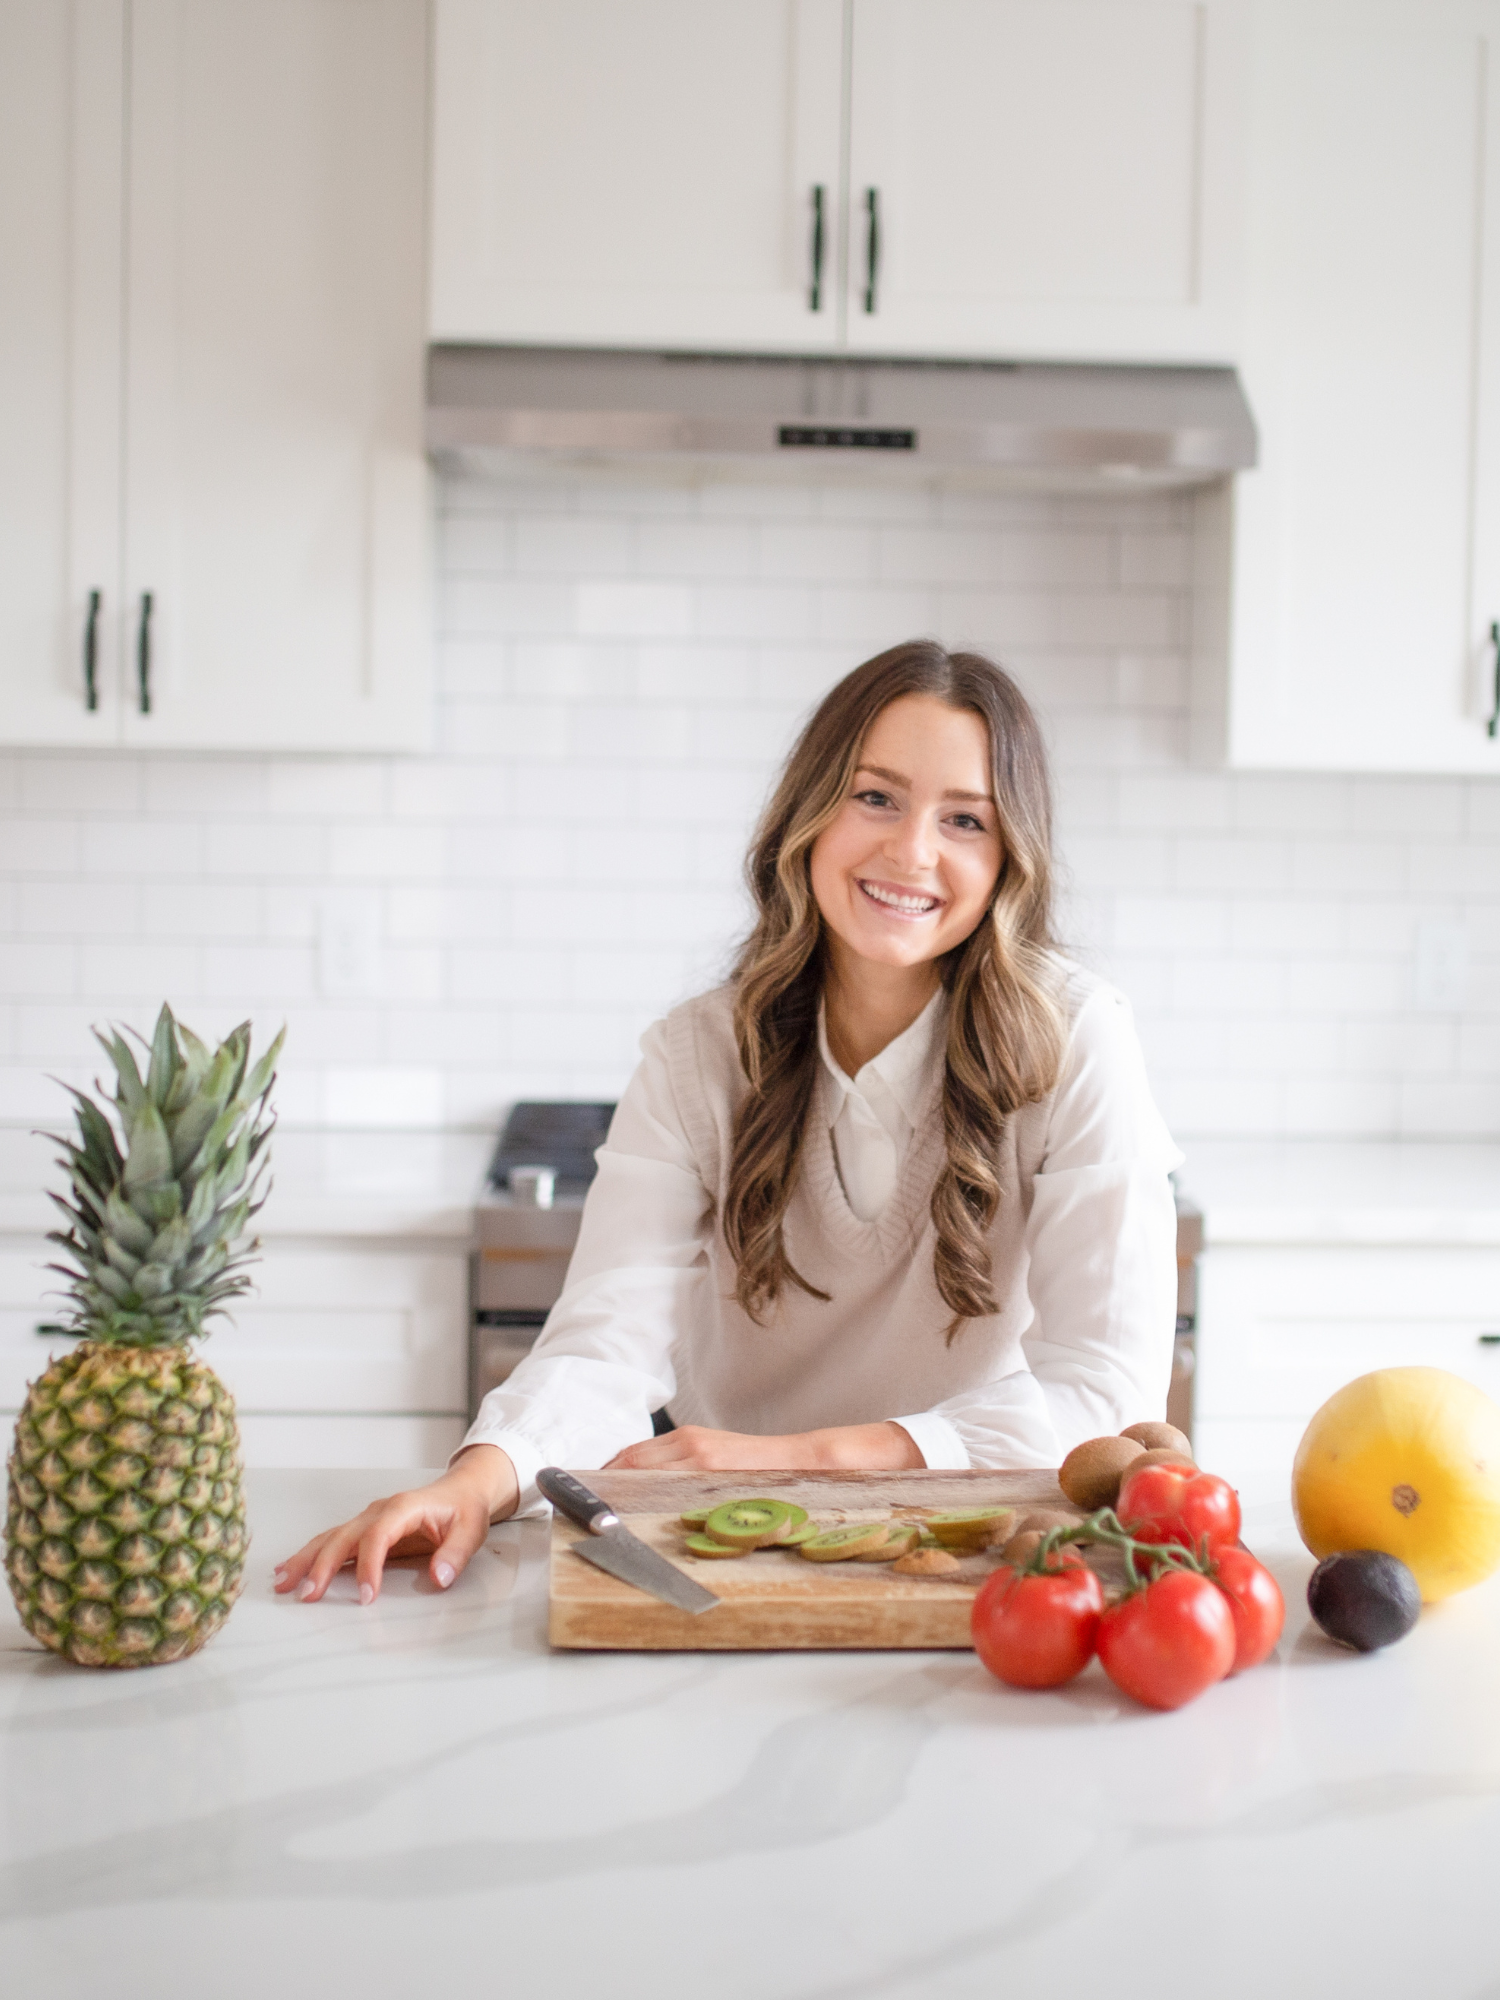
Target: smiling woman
{"x": 905, "y": 1160}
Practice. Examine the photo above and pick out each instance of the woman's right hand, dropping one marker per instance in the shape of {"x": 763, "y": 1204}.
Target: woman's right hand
{"x": 450, "y": 1518}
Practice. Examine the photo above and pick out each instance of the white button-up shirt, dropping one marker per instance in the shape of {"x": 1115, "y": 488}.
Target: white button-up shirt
{"x": 878, "y": 1111}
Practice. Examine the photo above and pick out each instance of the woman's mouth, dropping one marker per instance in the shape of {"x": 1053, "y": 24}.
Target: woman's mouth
{"x": 899, "y": 902}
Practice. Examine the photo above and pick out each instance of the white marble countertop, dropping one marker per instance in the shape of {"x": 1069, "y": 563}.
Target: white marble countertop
{"x": 1443, "y": 1193}
{"x": 425, "y": 1185}
{"x": 420, "y": 1799}
{"x": 325, "y": 1183}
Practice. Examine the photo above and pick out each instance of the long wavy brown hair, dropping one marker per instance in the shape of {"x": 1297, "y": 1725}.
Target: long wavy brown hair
{"x": 1006, "y": 1026}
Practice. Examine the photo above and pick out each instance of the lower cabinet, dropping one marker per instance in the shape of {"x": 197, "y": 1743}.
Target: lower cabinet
{"x": 1281, "y": 1327}
{"x": 349, "y": 1353}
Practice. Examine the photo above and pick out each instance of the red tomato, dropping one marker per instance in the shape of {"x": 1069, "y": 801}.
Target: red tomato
{"x": 1256, "y": 1602}
{"x": 1038, "y": 1631}
{"x": 1167, "y": 1643}
{"x": 1167, "y": 1503}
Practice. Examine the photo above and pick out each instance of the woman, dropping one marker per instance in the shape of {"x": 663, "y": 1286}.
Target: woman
{"x": 895, "y": 1196}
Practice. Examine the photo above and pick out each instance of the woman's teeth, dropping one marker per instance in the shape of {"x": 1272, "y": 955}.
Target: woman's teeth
{"x": 913, "y": 906}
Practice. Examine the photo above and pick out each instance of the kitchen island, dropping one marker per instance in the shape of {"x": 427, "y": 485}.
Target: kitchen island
{"x": 420, "y": 1797}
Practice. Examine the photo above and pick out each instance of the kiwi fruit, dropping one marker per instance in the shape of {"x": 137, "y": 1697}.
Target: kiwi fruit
{"x": 850, "y": 1539}
{"x": 753, "y": 1524}
{"x": 900, "y": 1540}
{"x": 1159, "y": 1437}
{"x": 795, "y": 1537}
{"x": 1022, "y": 1547}
{"x": 1090, "y": 1475}
{"x": 925, "y": 1562}
{"x": 705, "y": 1546}
{"x": 695, "y": 1517}
{"x": 970, "y": 1527}
{"x": 1045, "y": 1518}
{"x": 1163, "y": 1455}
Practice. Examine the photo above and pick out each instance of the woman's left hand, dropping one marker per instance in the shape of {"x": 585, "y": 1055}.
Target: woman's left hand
{"x": 845, "y": 1448}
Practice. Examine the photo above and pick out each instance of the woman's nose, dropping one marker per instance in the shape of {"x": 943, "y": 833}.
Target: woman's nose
{"x": 913, "y": 842}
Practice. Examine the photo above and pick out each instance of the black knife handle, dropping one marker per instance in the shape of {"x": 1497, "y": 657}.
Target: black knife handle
{"x": 571, "y": 1497}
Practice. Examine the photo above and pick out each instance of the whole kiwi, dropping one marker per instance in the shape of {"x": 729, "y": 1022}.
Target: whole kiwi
{"x": 1090, "y": 1475}
{"x": 1164, "y": 1455}
{"x": 1159, "y": 1437}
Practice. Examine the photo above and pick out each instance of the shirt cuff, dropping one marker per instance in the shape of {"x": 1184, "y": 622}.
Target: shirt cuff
{"x": 941, "y": 1446}
{"x": 525, "y": 1458}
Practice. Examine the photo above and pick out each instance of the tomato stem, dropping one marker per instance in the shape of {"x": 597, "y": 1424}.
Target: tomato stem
{"x": 1105, "y": 1526}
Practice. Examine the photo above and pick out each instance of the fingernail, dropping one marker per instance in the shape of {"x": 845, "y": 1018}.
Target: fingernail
{"x": 445, "y": 1573}
{"x": 306, "y": 1588}
{"x": 280, "y": 1570}
{"x": 367, "y": 1593}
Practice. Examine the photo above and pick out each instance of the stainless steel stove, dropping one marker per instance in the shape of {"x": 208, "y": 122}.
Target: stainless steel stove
{"x": 526, "y": 1226}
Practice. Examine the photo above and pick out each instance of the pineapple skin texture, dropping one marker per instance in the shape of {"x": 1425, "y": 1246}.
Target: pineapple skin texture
{"x": 125, "y": 1520}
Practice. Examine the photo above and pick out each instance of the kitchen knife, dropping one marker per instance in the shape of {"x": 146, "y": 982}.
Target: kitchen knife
{"x": 615, "y": 1549}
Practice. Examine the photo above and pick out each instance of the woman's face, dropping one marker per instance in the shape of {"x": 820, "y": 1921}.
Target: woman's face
{"x": 905, "y": 869}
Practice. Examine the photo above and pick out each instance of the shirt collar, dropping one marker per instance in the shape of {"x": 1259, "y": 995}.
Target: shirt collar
{"x": 901, "y": 1065}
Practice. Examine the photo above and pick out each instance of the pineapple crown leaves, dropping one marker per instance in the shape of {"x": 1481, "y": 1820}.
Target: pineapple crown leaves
{"x": 155, "y": 1231}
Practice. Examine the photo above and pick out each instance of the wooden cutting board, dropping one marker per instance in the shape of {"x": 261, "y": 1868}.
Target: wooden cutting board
{"x": 772, "y": 1599}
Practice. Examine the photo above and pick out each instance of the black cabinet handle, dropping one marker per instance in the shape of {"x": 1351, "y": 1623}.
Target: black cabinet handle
{"x": 91, "y": 653}
{"x": 1494, "y": 721}
{"x": 815, "y": 289}
{"x": 143, "y": 654}
{"x": 872, "y": 245}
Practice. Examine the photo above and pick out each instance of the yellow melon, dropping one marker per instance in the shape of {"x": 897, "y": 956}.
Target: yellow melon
{"x": 1406, "y": 1460}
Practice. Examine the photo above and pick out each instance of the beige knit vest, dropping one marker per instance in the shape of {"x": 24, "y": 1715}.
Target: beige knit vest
{"x": 875, "y": 1349}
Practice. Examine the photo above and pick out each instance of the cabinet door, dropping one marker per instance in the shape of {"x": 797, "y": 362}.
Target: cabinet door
{"x": 639, "y": 175}
{"x": 275, "y": 517}
{"x": 1053, "y": 179}
{"x": 1367, "y": 570}
{"x": 61, "y": 97}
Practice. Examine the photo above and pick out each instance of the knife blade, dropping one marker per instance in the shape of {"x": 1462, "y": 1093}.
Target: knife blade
{"x": 613, "y": 1547}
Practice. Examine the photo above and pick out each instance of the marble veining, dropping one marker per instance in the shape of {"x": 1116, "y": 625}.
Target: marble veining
{"x": 422, "y": 1793}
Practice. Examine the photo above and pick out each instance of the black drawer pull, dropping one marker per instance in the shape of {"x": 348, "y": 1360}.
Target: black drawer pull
{"x": 1489, "y": 1340}
{"x": 1494, "y": 722}
{"x": 815, "y": 288}
{"x": 91, "y": 653}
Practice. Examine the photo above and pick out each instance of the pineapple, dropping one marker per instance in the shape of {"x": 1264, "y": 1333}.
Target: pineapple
{"x": 125, "y": 1526}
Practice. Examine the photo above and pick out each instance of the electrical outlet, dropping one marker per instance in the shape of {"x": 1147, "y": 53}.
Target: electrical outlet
{"x": 1442, "y": 982}
{"x": 349, "y": 944}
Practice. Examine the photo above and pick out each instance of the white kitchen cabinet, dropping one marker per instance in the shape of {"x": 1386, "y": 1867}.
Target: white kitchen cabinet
{"x": 1055, "y": 179}
{"x": 348, "y": 1352}
{"x": 609, "y": 175}
{"x": 1280, "y": 1327}
{"x": 223, "y": 240}
{"x": 1366, "y": 563}
{"x": 1051, "y": 178}
{"x": 61, "y": 111}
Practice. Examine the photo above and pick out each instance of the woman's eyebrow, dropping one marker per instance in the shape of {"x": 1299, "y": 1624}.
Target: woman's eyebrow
{"x": 896, "y": 778}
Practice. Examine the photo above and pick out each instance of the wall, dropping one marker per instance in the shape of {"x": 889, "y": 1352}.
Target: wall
{"x": 623, "y": 660}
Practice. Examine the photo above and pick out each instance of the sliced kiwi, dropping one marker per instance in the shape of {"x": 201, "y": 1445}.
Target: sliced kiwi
{"x": 695, "y": 1517}
{"x": 704, "y": 1546}
{"x": 851, "y": 1539}
{"x": 795, "y": 1537}
{"x": 969, "y": 1527}
{"x": 751, "y": 1524}
{"x": 900, "y": 1540}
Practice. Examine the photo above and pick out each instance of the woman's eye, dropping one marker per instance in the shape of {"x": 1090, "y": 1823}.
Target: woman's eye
{"x": 966, "y": 823}
{"x": 873, "y": 798}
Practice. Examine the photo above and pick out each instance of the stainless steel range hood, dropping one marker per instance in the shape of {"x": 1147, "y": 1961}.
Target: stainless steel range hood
{"x": 1027, "y": 421}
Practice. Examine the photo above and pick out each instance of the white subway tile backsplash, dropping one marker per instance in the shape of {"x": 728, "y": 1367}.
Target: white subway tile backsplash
{"x": 624, "y": 657}
{"x": 51, "y": 846}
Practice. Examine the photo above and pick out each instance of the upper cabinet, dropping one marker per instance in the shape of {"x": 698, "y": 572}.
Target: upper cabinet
{"x": 1366, "y": 550}
{"x": 214, "y": 490}
{"x": 1016, "y": 178}
{"x": 662, "y": 173}
{"x": 1045, "y": 178}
